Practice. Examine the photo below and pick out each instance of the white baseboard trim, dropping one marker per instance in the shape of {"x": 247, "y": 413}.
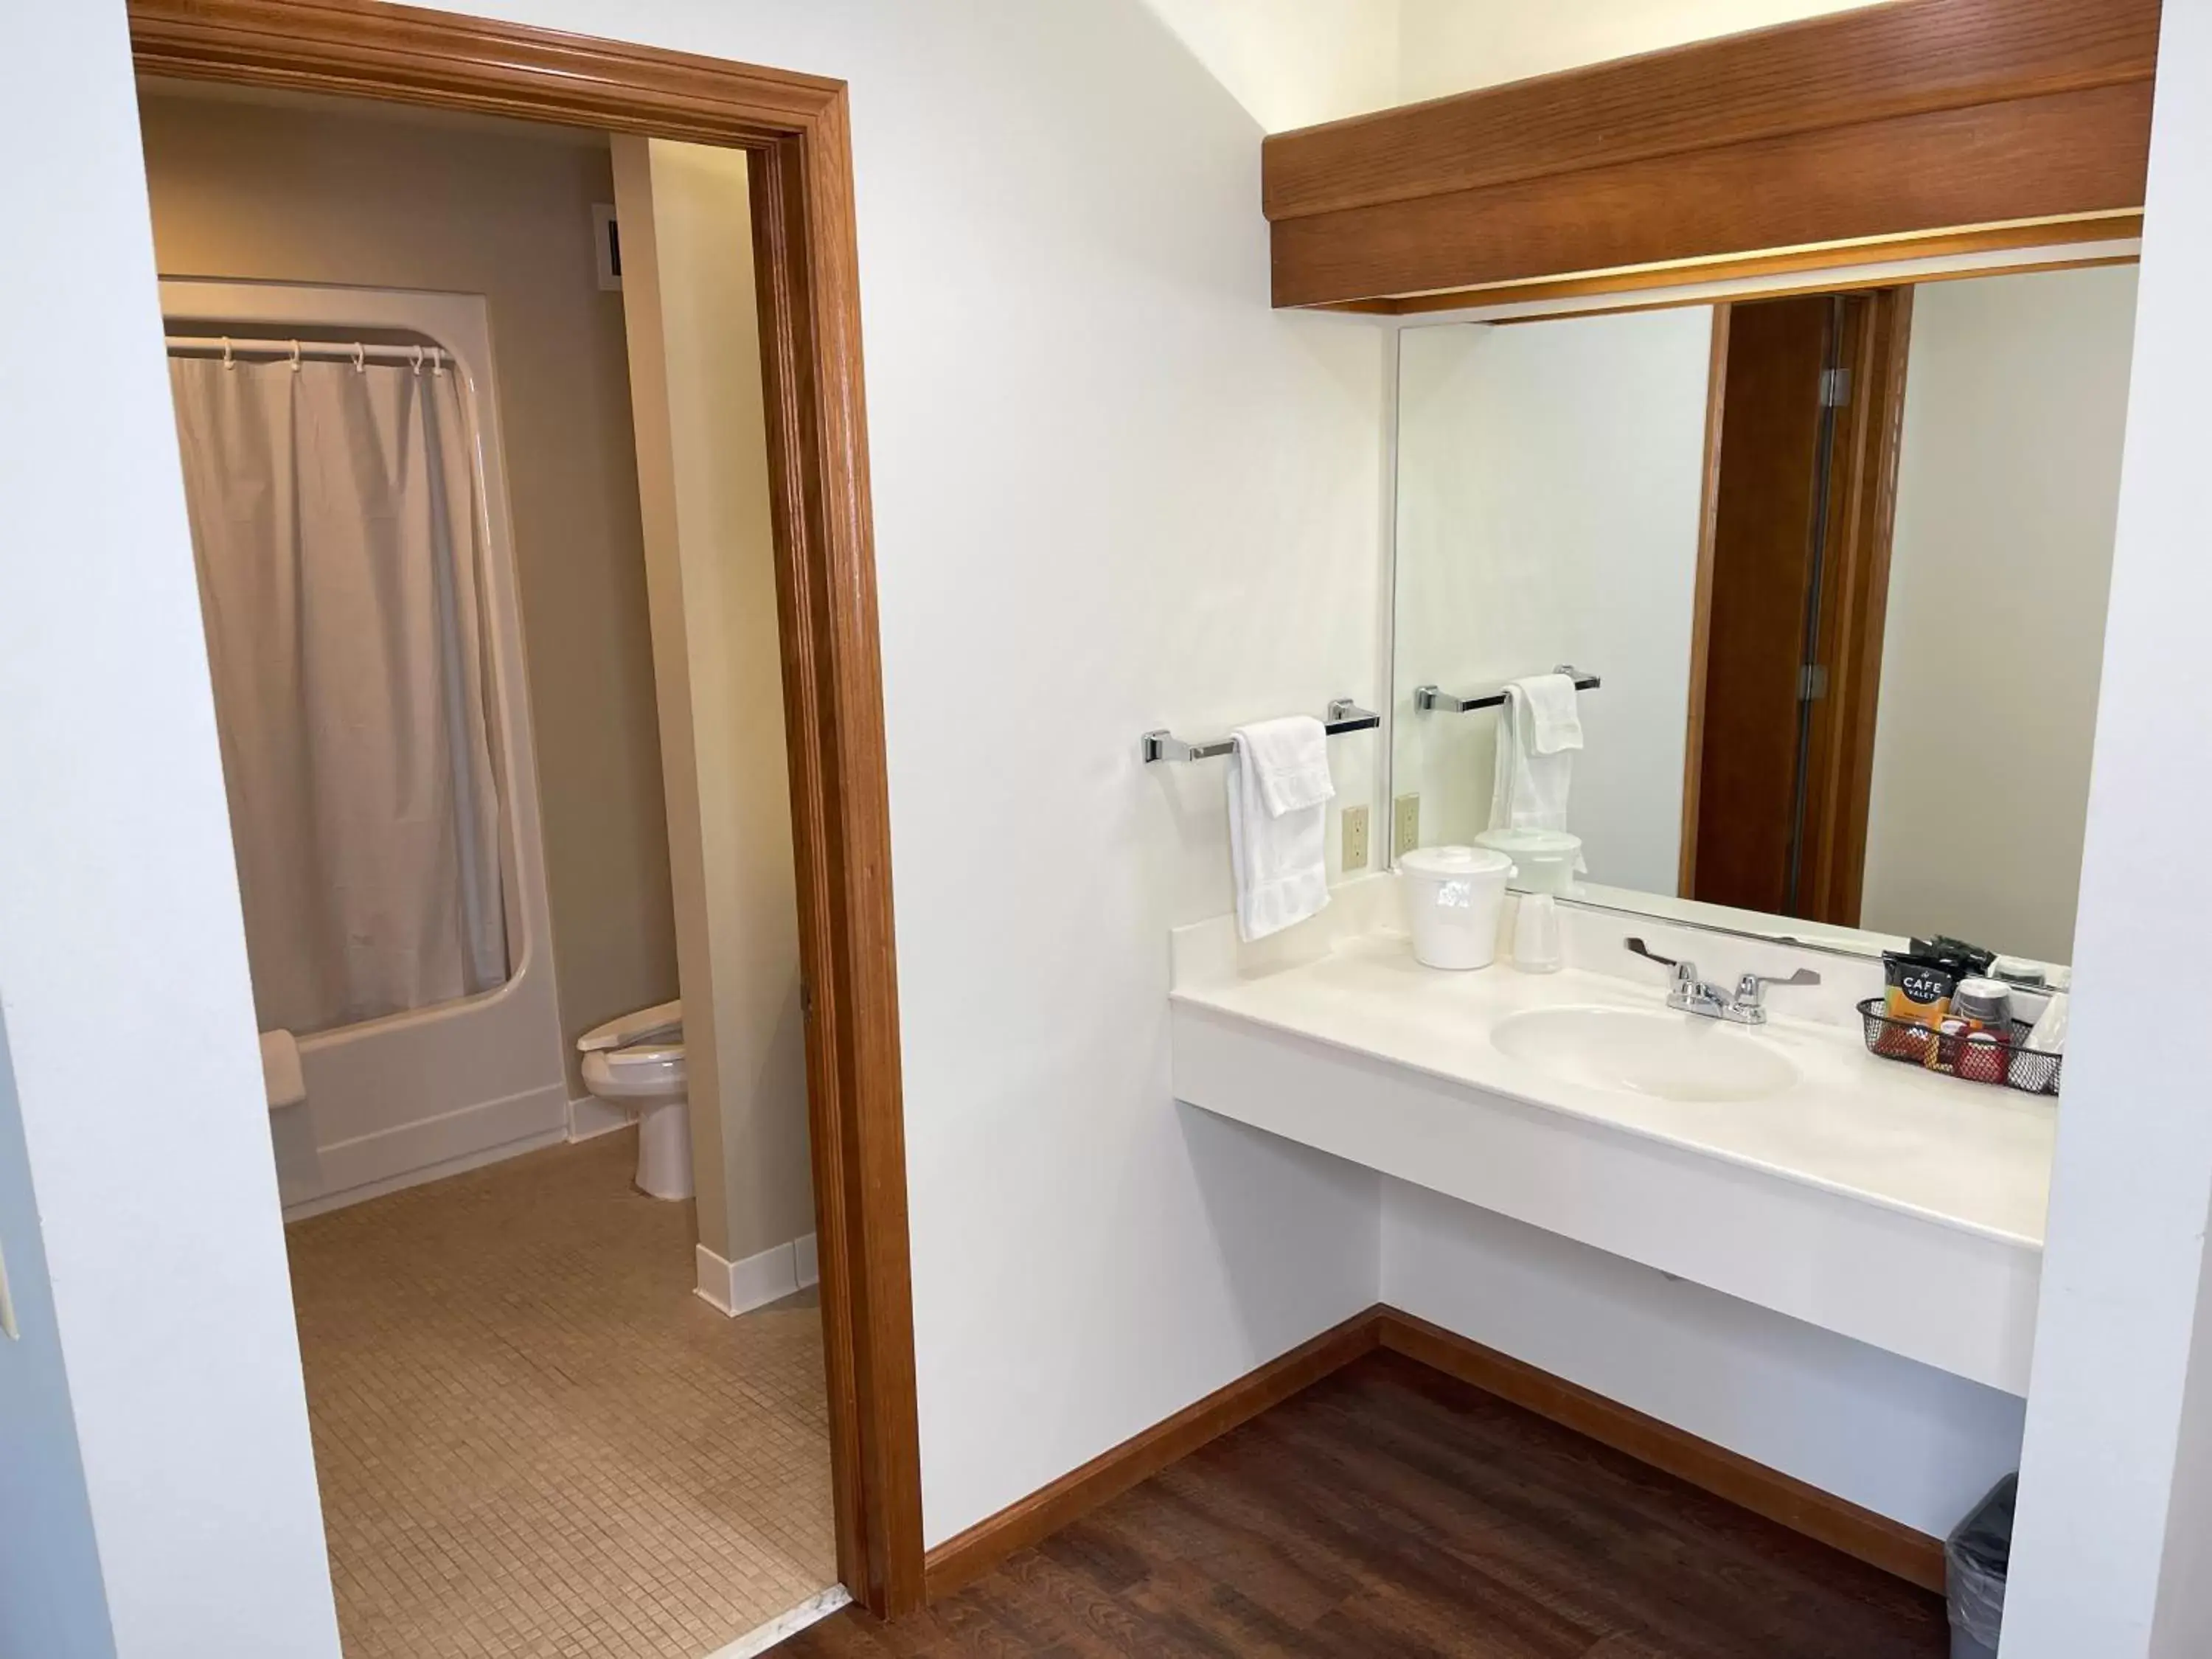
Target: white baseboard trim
{"x": 812, "y": 1610}
{"x": 590, "y": 1117}
{"x": 736, "y": 1287}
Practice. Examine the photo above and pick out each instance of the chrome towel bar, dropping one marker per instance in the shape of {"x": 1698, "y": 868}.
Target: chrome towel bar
{"x": 1429, "y": 700}
{"x": 1344, "y": 715}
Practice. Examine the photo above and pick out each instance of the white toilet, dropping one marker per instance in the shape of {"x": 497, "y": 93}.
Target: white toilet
{"x": 636, "y": 1063}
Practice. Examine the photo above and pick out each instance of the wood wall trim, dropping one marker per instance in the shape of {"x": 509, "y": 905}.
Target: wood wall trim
{"x": 1836, "y": 1522}
{"x": 2035, "y": 158}
{"x": 1881, "y": 1542}
{"x": 806, "y": 252}
{"x": 1841, "y": 761}
{"x": 962, "y": 1559}
{"x": 1873, "y": 64}
{"x": 2062, "y": 244}
{"x": 1912, "y": 117}
{"x": 406, "y": 54}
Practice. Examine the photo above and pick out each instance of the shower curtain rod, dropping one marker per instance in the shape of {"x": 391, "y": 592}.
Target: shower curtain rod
{"x": 222, "y": 345}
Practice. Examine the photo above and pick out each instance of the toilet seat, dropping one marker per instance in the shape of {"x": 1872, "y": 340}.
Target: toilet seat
{"x": 648, "y": 1072}
{"x": 634, "y": 1062}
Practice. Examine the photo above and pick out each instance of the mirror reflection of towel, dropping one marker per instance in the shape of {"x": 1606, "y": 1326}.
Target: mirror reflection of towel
{"x": 1539, "y": 729}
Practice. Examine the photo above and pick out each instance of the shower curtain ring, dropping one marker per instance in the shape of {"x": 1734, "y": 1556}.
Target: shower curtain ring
{"x": 296, "y": 356}
{"x": 418, "y": 360}
{"x": 360, "y": 358}
{"x": 228, "y": 361}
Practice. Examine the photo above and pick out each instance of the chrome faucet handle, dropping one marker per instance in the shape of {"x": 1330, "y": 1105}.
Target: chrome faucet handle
{"x": 1751, "y": 986}
{"x": 1750, "y": 1005}
{"x": 1684, "y": 971}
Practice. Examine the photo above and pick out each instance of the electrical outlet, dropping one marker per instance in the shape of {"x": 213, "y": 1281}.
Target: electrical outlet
{"x": 1355, "y": 838}
{"x": 1405, "y": 826}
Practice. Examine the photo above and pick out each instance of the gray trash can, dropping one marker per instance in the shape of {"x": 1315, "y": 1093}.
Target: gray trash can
{"x": 1976, "y": 1557}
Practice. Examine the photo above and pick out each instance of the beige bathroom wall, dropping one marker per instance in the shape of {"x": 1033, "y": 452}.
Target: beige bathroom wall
{"x": 2008, "y": 494}
{"x": 323, "y": 190}
{"x": 710, "y": 569}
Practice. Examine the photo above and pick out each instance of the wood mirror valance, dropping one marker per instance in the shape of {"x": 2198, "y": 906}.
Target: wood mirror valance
{"x": 1910, "y": 128}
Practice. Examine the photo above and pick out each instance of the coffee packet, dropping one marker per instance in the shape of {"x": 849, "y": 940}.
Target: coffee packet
{"x": 1919, "y": 987}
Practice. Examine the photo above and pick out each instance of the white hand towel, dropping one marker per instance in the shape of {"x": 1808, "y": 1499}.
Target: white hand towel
{"x": 1279, "y": 790}
{"x": 1528, "y": 790}
{"x": 1554, "y": 711}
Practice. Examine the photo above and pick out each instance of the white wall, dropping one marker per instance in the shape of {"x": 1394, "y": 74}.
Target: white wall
{"x": 1905, "y": 1440}
{"x": 123, "y": 985}
{"x": 1293, "y": 65}
{"x": 2116, "y": 1487}
{"x": 51, "y": 1600}
{"x": 2015, "y": 405}
{"x": 1454, "y": 46}
{"x": 1112, "y": 490}
{"x": 1324, "y": 60}
{"x": 1549, "y": 481}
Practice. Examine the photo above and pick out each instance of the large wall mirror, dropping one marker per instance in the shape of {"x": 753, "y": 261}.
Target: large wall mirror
{"x": 1837, "y": 564}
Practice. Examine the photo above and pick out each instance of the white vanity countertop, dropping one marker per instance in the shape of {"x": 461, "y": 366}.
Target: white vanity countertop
{"x": 1970, "y": 1157}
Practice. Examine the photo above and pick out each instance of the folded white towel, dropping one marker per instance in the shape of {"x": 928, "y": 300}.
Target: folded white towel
{"x": 1554, "y": 712}
{"x": 1290, "y": 758}
{"x": 1279, "y": 790}
{"x": 1528, "y": 789}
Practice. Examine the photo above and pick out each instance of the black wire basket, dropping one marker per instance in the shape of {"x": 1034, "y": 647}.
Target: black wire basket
{"x": 2005, "y": 1061}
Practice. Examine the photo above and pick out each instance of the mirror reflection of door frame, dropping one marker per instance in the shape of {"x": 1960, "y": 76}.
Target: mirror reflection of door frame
{"x": 1832, "y": 752}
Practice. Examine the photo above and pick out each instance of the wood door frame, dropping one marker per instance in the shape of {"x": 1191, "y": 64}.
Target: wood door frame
{"x": 1701, "y": 603}
{"x": 797, "y": 129}
{"x": 1862, "y": 514}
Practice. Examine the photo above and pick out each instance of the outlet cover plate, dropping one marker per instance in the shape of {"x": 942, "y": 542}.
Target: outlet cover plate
{"x": 1405, "y": 825}
{"x": 1355, "y": 838}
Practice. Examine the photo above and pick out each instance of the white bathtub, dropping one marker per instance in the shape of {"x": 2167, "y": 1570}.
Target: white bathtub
{"x": 413, "y": 1096}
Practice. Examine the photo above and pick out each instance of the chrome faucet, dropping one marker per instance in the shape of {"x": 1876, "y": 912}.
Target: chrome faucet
{"x": 1692, "y": 995}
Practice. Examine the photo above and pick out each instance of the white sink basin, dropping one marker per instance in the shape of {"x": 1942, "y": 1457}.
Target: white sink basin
{"x": 1671, "y": 1056}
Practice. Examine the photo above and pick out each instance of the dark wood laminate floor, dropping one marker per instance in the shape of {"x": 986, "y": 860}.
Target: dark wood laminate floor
{"x": 1390, "y": 1510}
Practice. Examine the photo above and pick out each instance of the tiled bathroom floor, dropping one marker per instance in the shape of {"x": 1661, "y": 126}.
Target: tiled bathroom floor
{"x": 534, "y": 1440}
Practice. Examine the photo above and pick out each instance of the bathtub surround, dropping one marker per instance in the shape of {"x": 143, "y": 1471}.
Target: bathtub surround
{"x": 478, "y": 206}
{"x": 694, "y": 337}
{"x": 428, "y": 1091}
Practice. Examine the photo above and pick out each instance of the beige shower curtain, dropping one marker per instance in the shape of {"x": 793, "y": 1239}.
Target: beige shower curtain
{"x": 335, "y": 524}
